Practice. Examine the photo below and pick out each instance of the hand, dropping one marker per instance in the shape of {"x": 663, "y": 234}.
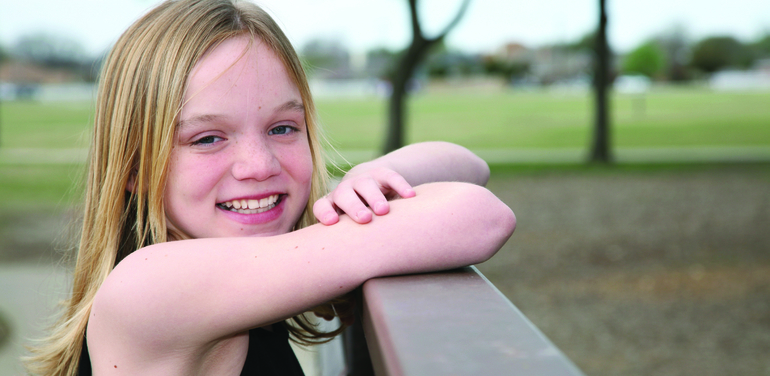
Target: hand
{"x": 361, "y": 187}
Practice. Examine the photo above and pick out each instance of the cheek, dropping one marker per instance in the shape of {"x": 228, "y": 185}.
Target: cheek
{"x": 307, "y": 170}
{"x": 299, "y": 164}
{"x": 190, "y": 179}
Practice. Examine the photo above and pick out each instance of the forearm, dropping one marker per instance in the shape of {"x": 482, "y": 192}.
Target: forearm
{"x": 210, "y": 288}
{"x": 429, "y": 162}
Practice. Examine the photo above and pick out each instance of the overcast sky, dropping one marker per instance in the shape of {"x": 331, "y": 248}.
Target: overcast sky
{"x": 364, "y": 24}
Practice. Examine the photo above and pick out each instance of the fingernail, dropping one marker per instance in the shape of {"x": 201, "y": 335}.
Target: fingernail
{"x": 329, "y": 218}
{"x": 362, "y": 214}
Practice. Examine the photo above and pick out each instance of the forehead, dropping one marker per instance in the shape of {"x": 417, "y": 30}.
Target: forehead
{"x": 240, "y": 69}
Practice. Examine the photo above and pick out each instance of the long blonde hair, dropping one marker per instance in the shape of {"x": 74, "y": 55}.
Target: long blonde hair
{"x": 141, "y": 91}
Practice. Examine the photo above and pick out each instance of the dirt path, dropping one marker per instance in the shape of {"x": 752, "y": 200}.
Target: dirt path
{"x": 629, "y": 273}
{"x": 640, "y": 273}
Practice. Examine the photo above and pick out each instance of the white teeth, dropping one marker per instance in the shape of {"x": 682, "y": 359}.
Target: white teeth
{"x": 251, "y": 206}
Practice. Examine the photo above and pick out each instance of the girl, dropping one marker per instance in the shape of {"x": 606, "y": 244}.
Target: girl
{"x": 206, "y": 176}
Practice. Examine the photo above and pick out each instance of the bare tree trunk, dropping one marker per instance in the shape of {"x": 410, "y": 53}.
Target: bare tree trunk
{"x": 600, "y": 148}
{"x": 404, "y": 72}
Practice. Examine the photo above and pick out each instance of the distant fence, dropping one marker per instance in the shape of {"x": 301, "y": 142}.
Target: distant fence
{"x": 449, "y": 323}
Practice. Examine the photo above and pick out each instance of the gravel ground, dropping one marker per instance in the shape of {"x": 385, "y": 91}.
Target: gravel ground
{"x": 663, "y": 272}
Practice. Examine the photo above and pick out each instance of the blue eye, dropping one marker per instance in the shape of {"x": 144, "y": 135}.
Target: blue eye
{"x": 206, "y": 140}
{"x": 282, "y": 129}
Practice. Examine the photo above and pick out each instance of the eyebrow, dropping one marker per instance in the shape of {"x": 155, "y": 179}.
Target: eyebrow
{"x": 292, "y": 105}
{"x": 207, "y": 118}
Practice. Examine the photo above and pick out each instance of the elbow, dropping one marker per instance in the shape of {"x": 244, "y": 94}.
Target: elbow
{"x": 482, "y": 173}
{"x": 500, "y": 223}
{"x": 477, "y": 169}
{"x": 507, "y": 223}
{"x": 487, "y": 223}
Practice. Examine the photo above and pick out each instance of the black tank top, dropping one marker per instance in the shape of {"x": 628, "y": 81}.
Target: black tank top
{"x": 269, "y": 354}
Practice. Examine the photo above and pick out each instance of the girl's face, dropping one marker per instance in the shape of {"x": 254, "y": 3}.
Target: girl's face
{"x": 241, "y": 162}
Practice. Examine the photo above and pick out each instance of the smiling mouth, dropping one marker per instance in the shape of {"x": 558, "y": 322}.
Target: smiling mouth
{"x": 251, "y": 206}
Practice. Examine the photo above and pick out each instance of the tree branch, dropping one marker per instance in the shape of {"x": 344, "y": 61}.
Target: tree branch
{"x": 453, "y": 23}
{"x": 416, "y": 30}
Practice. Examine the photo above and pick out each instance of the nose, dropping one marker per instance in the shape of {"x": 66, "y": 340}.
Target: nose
{"x": 255, "y": 159}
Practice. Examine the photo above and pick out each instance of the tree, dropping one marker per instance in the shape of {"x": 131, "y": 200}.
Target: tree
{"x": 715, "y": 53}
{"x": 381, "y": 63}
{"x": 58, "y": 53}
{"x": 585, "y": 43}
{"x": 4, "y": 55}
{"x": 647, "y": 59}
{"x": 408, "y": 61}
{"x": 50, "y": 50}
{"x": 509, "y": 70}
{"x": 600, "y": 147}
{"x": 676, "y": 49}
{"x": 761, "y": 48}
{"x": 328, "y": 58}
{"x": 444, "y": 62}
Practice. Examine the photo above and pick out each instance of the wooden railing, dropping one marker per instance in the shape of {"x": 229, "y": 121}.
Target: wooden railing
{"x": 448, "y": 323}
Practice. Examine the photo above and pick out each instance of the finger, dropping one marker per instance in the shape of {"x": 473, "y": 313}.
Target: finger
{"x": 324, "y": 211}
{"x": 347, "y": 200}
{"x": 373, "y": 196}
{"x": 398, "y": 184}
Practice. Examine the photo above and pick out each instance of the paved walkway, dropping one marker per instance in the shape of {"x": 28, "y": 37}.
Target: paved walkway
{"x": 501, "y": 156}
{"x": 578, "y": 155}
{"x": 28, "y": 296}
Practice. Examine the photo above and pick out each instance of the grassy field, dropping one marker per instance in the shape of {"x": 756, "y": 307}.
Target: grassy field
{"x": 549, "y": 120}
{"x": 498, "y": 120}
{"x": 672, "y": 117}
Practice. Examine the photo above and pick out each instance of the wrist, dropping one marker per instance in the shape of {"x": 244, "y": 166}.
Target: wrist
{"x": 362, "y": 168}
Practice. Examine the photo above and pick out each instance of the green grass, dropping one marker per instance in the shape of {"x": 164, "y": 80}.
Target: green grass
{"x": 668, "y": 118}
{"x": 45, "y": 125}
{"x": 35, "y": 186}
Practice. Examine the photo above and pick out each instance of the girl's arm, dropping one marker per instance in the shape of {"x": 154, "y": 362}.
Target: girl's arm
{"x": 170, "y": 298}
{"x": 374, "y": 183}
{"x": 429, "y": 162}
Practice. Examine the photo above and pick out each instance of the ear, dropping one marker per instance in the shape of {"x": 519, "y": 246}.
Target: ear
{"x": 131, "y": 183}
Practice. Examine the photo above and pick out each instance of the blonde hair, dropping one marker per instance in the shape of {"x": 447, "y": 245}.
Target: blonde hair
{"x": 141, "y": 90}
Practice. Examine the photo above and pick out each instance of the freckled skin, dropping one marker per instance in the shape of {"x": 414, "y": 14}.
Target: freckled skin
{"x": 238, "y": 139}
